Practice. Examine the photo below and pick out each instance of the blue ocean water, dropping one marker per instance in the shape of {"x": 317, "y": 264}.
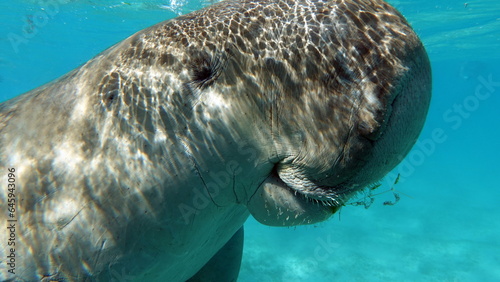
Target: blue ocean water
{"x": 446, "y": 227}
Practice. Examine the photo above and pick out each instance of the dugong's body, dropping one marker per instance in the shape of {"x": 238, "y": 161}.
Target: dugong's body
{"x": 143, "y": 163}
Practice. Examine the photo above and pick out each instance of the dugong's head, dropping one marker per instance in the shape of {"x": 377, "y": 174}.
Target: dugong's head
{"x": 350, "y": 85}
{"x": 330, "y": 95}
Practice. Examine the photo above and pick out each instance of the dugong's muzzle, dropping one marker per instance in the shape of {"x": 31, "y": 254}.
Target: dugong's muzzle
{"x": 313, "y": 186}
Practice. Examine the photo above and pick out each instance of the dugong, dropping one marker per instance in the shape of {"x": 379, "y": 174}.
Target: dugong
{"x": 144, "y": 163}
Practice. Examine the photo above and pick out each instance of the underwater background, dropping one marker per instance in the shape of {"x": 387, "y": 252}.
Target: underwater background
{"x": 446, "y": 224}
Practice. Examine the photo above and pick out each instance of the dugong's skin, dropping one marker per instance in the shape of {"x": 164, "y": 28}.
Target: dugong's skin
{"x": 142, "y": 163}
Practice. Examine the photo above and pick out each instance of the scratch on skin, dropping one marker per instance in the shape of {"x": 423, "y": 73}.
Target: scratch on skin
{"x": 99, "y": 253}
{"x": 66, "y": 224}
{"x": 255, "y": 192}
{"x": 234, "y": 191}
{"x": 204, "y": 184}
{"x": 193, "y": 161}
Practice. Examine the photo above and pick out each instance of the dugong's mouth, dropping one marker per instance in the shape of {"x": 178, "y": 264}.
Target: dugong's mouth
{"x": 292, "y": 203}
{"x": 310, "y": 191}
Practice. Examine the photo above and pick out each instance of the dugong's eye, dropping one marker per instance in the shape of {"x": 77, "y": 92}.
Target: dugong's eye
{"x": 206, "y": 69}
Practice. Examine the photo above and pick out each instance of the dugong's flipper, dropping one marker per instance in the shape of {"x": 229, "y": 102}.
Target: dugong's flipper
{"x": 224, "y": 266}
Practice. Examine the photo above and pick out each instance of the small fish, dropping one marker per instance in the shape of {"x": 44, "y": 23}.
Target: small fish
{"x": 397, "y": 179}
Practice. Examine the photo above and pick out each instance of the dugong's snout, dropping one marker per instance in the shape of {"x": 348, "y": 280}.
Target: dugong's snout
{"x": 311, "y": 184}
{"x": 352, "y": 129}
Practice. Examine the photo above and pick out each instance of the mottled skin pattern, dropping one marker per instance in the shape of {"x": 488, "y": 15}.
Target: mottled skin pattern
{"x": 147, "y": 159}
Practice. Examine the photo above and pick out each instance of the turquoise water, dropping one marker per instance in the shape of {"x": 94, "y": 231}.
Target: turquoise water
{"x": 446, "y": 227}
